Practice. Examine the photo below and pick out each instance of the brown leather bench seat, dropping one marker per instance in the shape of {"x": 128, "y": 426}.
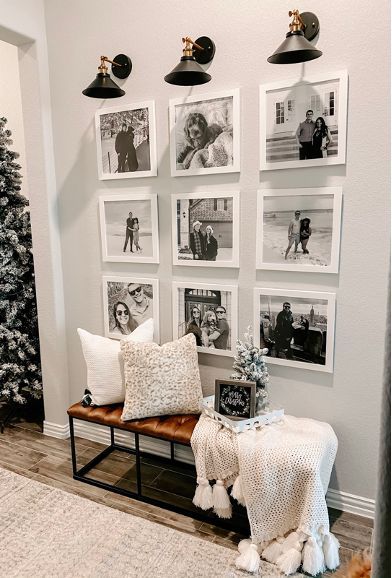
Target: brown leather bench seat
{"x": 173, "y": 428}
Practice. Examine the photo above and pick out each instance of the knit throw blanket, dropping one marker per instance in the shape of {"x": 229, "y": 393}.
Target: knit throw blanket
{"x": 280, "y": 473}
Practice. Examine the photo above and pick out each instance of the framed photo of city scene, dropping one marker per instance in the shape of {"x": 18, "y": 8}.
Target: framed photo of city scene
{"x": 129, "y": 227}
{"x": 205, "y": 229}
{"x": 128, "y": 302}
{"x": 205, "y": 134}
{"x": 126, "y": 141}
{"x": 303, "y": 122}
{"x": 297, "y": 327}
{"x": 208, "y": 311}
{"x": 299, "y": 229}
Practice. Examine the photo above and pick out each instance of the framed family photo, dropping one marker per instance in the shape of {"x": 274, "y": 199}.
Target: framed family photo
{"x": 205, "y": 229}
{"x": 297, "y": 327}
{"x": 299, "y": 229}
{"x": 126, "y": 141}
{"x": 303, "y": 122}
{"x": 205, "y": 134}
{"x": 127, "y": 303}
{"x": 129, "y": 227}
{"x": 208, "y": 311}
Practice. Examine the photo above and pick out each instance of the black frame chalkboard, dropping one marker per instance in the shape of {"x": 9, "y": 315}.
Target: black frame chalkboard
{"x": 235, "y": 398}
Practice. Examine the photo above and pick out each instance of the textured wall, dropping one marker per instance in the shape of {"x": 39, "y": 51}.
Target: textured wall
{"x": 245, "y": 34}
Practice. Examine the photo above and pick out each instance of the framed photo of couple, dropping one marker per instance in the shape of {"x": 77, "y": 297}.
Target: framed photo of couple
{"x": 129, "y": 227}
{"x": 299, "y": 229}
{"x": 126, "y": 141}
{"x": 205, "y": 229}
{"x": 208, "y": 311}
{"x": 303, "y": 122}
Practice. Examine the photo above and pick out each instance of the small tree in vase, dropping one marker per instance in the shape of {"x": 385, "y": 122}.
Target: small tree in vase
{"x": 249, "y": 365}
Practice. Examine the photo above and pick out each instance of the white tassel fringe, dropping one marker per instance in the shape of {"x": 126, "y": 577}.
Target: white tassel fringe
{"x": 313, "y": 557}
{"x": 222, "y": 504}
{"x": 249, "y": 559}
{"x": 203, "y": 494}
{"x": 289, "y": 561}
{"x": 237, "y": 491}
{"x": 272, "y": 552}
{"x": 331, "y": 551}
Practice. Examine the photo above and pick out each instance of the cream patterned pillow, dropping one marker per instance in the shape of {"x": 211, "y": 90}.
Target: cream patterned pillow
{"x": 161, "y": 380}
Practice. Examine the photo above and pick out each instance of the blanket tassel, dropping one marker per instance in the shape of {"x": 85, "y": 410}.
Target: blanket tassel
{"x": 249, "y": 558}
{"x": 313, "y": 557}
{"x": 237, "y": 491}
{"x": 331, "y": 551}
{"x": 272, "y": 552}
{"x": 221, "y": 500}
{"x": 203, "y": 494}
{"x": 290, "y": 559}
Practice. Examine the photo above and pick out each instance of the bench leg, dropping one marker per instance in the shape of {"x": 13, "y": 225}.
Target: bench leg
{"x": 138, "y": 465}
{"x": 172, "y": 451}
{"x": 73, "y": 448}
{"x": 111, "y": 436}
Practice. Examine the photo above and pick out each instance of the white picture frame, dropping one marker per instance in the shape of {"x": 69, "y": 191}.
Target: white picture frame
{"x": 147, "y": 310}
{"x": 216, "y": 211}
{"x": 284, "y": 104}
{"x": 276, "y": 207}
{"x": 205, "y": 296}
{"x": 207, "y": 145}
{"x": 316, "y": 352}
{"x": 114, "y": 211}
{"x": 137, "y": 149}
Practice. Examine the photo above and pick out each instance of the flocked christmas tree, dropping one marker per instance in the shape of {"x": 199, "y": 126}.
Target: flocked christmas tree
{"x": 249, "y": 365}
{"x": 20, "y": 368}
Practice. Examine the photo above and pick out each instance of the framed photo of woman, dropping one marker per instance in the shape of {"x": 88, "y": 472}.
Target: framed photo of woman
{"x": 299, "y": 229}
{"x": 303, "y": 122}
{"x": 208, "y": 311}
{"x": 129, "y": 227}
{"x": 205, "y": 229}
{"x": 126, "y": 141}
{"x": 205, "y": 134}
{"x": 297, "y": 327}
{"x": 127, "y": 303}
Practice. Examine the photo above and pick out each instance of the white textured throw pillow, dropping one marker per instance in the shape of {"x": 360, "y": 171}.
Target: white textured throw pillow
{"x": 161, "y": 380}
{"x": 105, "y": 366}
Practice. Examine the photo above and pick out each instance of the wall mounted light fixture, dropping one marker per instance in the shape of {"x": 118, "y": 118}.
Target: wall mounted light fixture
{"x": 189, "y": 72}
{"x": 297, "y": 47}
{"x": 103, "y": 86}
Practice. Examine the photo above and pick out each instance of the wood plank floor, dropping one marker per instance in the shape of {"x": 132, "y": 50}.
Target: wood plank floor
{"x": 26, "y": 451}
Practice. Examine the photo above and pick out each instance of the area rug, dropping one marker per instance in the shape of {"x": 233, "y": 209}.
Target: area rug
{"x": 49, "y": 533}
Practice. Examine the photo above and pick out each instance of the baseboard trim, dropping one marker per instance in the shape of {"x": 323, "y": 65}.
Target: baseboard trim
{"x": 335, "y": 499}
{"x": 55, "y": 430}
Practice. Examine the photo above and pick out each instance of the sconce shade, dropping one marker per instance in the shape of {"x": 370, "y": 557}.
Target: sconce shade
{"x": 187, "y": 73}
{"x": 295, "y": 48}
{"x": 103, "y": 87}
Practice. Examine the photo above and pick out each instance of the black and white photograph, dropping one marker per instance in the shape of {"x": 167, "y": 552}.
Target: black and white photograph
{"x": 205, "y": 134}
{"x": 303, "y": 122}
{"x": 297, "y": 327}
{"x": 209, "y": 312}
{"x": 126, "y": 141}
{"x": 129, "y": 227}
{"x": 299, "y": 229}
{"x": 205, "y": 229}
{"x": 127, "y": 303}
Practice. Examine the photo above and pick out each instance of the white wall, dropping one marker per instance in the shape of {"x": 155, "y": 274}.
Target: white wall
{"x": 245, "y": 34}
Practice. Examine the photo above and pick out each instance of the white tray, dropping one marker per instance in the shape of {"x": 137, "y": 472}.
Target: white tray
{"x": 240, "y": 425}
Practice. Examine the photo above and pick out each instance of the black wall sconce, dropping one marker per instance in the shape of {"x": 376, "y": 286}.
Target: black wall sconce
{"x": 297, "y": 46}
{"x": 189, "y": 72}
{"x": 103, "y": 86}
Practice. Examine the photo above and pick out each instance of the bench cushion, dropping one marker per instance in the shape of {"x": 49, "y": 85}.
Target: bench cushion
{"x": 176, "y": 428}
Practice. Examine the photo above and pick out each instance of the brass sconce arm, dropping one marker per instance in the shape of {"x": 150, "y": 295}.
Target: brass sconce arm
{"x": 297, "y": 23}
{"x": 190, "y": 46}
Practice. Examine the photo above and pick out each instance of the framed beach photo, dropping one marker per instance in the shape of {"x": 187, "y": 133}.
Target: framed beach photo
{"x": 208, "y": 311}
{"x": 205, "y": 134}
{"x": 205, "y": 229}
{"x": 127, "y": 303}
{"x": 297, "y": 327}
{"x": 299, "y": 229}
{"x": 129, "y": 227}
{"x": 126, "y": 141}
{"x": 303, "y": 122}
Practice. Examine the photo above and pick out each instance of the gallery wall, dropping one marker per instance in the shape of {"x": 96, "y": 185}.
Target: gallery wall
{"x": 245, "y": 35}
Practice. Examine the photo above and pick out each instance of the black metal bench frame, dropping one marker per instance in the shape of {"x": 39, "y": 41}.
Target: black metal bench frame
{"x": 80, "y": 474}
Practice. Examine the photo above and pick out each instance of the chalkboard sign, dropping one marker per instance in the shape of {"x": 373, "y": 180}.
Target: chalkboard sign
{"x": 235, "y": 398}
